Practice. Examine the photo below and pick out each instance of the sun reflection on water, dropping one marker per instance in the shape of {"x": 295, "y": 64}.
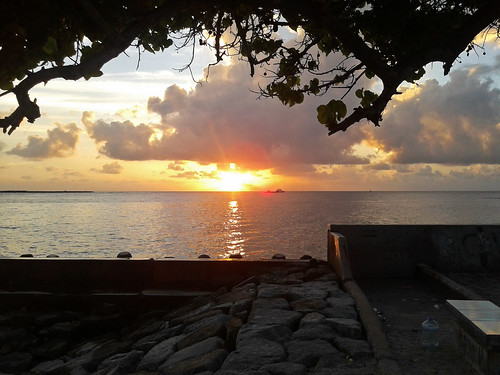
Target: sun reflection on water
{"x": 232, "y": 228}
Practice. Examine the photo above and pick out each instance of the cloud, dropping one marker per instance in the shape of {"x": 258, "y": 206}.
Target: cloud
{"x": 457, "y": 123}
{"x": 112, "y": 168}
{"x": 60, "y": 142}
{"x": 477, "y": 171}
{"x": 176, "y": 166}
{"x": 222, "y": 121}
{"x": 196, "y": 175}
{"x": 2, "y": 146}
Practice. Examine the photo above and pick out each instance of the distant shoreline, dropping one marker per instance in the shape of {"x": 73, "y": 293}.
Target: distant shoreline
{"x": 46, "y": 191}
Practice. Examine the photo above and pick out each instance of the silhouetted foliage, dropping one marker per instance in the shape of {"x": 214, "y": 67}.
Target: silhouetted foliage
{"x": 392, "y": 40}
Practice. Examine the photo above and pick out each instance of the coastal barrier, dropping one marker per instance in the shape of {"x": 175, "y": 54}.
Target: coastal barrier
{"x": 396, "y": 250}
{"x": 129, "y": 275}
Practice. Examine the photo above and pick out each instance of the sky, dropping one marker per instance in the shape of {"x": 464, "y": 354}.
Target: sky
{"x": 152, "y": 128}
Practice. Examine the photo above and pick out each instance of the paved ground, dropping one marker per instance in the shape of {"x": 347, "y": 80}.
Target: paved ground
{"x": 403, "y": 304}
{"x": 486, "y": 284}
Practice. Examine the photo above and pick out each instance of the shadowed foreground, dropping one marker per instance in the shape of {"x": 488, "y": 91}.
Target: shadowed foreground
{"x": 292, "y": 320}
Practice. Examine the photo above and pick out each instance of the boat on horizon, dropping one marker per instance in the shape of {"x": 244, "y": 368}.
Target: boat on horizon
{"x": 276, "y": 191}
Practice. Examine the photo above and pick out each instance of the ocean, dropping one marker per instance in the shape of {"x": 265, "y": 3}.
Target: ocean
{"x": 187, "y": 224}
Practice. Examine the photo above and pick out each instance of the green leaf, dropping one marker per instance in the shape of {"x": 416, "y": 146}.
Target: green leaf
{"x": 331, "y": 113}
{"x": 50, "y": 46}
{"x": 369, "y": 74}
{"x": 323, "y": 114}
{"x": 95, "y": 73}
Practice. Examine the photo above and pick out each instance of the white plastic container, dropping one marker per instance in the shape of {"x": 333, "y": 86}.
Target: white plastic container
{"x": 430, "y": 333}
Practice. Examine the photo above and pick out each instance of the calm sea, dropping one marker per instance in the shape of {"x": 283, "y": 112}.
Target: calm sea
{"x": 187, "y": 224}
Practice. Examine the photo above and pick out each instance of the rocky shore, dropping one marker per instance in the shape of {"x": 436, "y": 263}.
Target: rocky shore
{"x": 285, "y": 322}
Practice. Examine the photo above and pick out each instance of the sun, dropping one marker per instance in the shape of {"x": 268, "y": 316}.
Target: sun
{"x": 232, "y": 180}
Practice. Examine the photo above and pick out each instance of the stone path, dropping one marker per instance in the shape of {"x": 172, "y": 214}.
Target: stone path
{"x": 286, "y": 322}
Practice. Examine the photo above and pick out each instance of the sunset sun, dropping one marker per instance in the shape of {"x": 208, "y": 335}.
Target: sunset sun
{"x": 232, "y": 180}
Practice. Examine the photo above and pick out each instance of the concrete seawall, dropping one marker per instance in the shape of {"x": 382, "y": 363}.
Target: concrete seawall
{"x": 129, "y": 275}
{"x": 396, "y": 250}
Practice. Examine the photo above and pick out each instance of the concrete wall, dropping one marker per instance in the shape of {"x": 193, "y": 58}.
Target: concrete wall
{"x": 63, "y": 275}
{"x": 395, "y": 250}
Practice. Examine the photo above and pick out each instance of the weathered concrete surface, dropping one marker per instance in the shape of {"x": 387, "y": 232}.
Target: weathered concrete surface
{"x": 395, "y": 250}
{"x": 259, "y": 327}
{"x": 402, "y": 305}
{"x": 138, "y": 277}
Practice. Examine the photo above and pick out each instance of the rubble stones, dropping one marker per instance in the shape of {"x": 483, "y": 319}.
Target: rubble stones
{"x": 288, "y": 322}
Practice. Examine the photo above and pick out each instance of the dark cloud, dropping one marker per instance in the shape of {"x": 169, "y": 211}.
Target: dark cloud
{"x": 380, "y": 166}
{"x": 60, "y": 142}
{"x": 111, "y": 168}
{"x": 478, "y": 171}
{"x": 222, "y": 121}
{"x": 457, "y": 123}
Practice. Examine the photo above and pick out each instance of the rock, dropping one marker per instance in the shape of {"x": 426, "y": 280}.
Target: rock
{"x": 147, "y": 342}
{"x": 346, "y": 327}
{"x": 245, "y": 292}
{"x": 206, "y": 314}
{"x": 144, "y": 329}
{"x": 217, "y": 329}
{"x": 195, "y": 351}
{"x": 125, "y": 362}
{"x": 285, "y": 368}
{"x": 340, "y": 301}
{"x": 286, "y": 318}
{"x": 72, "y": 329}
{"x": 357, "y": 349}
{"x": 308, "y": 353}
{"x": 271, "y": 303}
{"x": 49, "y": 367}
{"x": 240, "y": 372}
{"x": 178, "y": 316}
{"x": 315, "y": 331}
{"x": 266, "y": 290}
{"x": 345, "y": 312}
{"x": 159, "y": 354}
{"x": 19, "y": 318}
{"x": 312, "y": 273}
{"x": 306, "y": 305}
{"x": 52, "y": 317}
{"x": 312, "y": 318}
{"x": 16, "y": 362}
{"x": 207, "y": 322}
{"x": 124, "y": 254}
{"x": 17, "y": 338}
{"x": 96, "y": 324}
{"x": 208, "y": 362}
{"x": 91, "y": 359}
{"x": 52, "y": 348}
{"x": 313, "y": 289}
{"x": 233, "y": 327}
{"x": 253, "y": 354}
{"x": 332, "y": 361}
{"x": 275, "y": 333}
{"x": 241, "y": 306}
{"x": 225, "y": 307}
{"x": 79, "y": 370}
{"x": 278, "y": 256}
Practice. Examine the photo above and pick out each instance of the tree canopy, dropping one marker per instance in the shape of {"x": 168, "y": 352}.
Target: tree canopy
{"x": 392, "y": 40}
